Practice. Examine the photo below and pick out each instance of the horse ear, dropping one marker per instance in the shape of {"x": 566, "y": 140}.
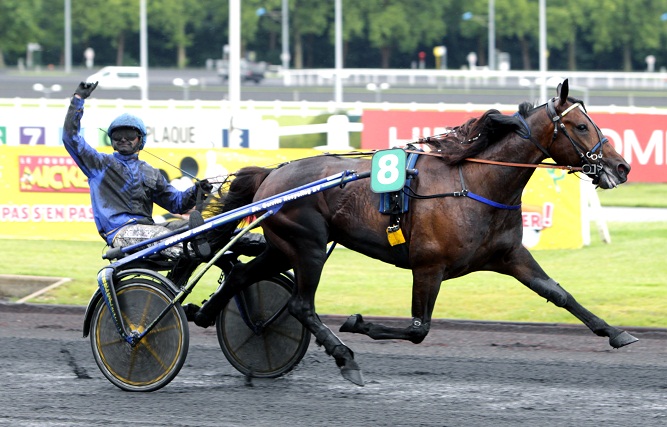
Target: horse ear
{"x": 562, "y": 91}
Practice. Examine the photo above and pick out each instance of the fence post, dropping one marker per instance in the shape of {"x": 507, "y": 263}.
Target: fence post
{"x": 265, "y": 136}
{"x": 338, "y": 133}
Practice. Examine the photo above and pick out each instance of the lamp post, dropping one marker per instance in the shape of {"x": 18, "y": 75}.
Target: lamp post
{"x": 68, "y": 36}
{"x": 143, "y": 48}
{"x": 285, "y": 56}
{"x": 185, "y": 85}
{"x": 492, "y": 35}
{"x": 543, "y": 50}
{"x": 338, "y": 83}
{"x": 47, "y": 91}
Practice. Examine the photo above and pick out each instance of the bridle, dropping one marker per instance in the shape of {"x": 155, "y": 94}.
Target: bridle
{"x": 589, "y": 159}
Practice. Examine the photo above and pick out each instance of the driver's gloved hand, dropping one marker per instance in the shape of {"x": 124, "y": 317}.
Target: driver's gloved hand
{"x": 204, "y": 185}
{"x": 85, "y": 89}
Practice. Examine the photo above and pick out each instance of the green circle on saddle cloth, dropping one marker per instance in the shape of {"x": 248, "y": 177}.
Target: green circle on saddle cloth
{"x": 388, "y": 170}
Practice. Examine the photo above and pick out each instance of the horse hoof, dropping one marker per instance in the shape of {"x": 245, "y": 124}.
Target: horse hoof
{"x": 622, "y": 339}
{"x": 351, "y": 372}
{"x": 351, "y": 323}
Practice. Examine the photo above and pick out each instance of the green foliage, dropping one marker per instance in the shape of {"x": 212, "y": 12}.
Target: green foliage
{"x": 583, "y": 34}
{"x": 19, "y": 25}
{"x": 633, "y": 28}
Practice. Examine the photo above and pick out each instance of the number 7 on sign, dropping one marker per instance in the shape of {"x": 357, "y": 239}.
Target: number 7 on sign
{"x": 388, "y": 170}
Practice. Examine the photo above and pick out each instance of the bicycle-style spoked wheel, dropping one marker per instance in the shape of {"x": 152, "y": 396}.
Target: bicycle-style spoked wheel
{"x": 273, "y": 342}
{"x": 157, "y": 358}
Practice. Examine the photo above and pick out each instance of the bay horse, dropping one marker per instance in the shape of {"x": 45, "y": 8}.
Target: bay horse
{"x": 491, "y": 157}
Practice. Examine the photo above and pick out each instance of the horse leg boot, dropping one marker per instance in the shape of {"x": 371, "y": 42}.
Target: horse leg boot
{"x": 344, "y": 357}
{"x": 414, "y": 333}
{"x": 552, "y": 291}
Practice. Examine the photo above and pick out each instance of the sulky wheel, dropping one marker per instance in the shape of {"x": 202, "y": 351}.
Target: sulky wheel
{"x": 256, "y": 332}
{"x": 158, "y": 357}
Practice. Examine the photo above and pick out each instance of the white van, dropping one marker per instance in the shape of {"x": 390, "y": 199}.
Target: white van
{"x": 119, "y": 78}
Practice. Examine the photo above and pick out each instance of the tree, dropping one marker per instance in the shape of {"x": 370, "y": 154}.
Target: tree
{"x": 18, "y": 26}
{"x": 177, "y": 20}
{"x": 52, "y": 39}
{"x": 308, "y": 20}
{"x": 396, "y": 25}
{"x": 109, "y": 19}
{"x": 633, "y": 28}
{"x": 475, "y": 25}
{"x": 566, "y": 23}
{"x": 519, "y": 19}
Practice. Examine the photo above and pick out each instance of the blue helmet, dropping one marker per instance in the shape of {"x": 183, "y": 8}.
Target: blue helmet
{"x": 129, "y": 121}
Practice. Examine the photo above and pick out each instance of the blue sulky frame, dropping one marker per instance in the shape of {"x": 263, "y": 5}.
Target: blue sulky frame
{"x": 270, "y": 205}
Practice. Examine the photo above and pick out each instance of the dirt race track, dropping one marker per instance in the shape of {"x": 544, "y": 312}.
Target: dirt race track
{"x": 463, "y": 374}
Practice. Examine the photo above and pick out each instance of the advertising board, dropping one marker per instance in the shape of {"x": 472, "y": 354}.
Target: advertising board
{"x": 45, "y": 195}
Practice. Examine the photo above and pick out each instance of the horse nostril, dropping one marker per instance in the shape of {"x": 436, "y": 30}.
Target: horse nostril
{"x": 623, "y": 170}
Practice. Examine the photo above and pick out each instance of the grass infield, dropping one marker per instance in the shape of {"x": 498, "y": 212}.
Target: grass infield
{"x": 624, "y": 282}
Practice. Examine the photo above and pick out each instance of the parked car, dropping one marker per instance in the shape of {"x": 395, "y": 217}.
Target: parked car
{"x": 119, "y": 78}
{"x": 250, "y": 71}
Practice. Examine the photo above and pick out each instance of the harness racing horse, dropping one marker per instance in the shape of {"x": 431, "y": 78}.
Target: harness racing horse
{"x": 487, "y": 162}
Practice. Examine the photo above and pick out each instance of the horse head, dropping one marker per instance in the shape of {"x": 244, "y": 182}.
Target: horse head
{"x": 578, "y": 141}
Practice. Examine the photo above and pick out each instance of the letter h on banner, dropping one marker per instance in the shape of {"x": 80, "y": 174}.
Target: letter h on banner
{"x": 235, "y": 138}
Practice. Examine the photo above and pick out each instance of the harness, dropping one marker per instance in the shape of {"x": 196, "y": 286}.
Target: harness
{"x": 397, "y": 203}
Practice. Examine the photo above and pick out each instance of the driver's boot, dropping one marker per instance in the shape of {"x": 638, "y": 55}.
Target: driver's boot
{"x": 199, "y": 244}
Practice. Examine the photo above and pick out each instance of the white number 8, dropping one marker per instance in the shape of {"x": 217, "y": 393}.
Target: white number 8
{"x": 388, "y": 172}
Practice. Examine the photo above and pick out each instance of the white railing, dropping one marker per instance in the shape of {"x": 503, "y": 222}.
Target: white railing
{"x": 474, "y": 78}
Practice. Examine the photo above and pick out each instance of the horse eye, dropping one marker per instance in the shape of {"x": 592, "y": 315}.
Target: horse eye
{"x": 582, "y": 127}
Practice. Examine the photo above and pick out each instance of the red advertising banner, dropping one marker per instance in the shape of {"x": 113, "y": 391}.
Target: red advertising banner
{"x": 640, "y": 138}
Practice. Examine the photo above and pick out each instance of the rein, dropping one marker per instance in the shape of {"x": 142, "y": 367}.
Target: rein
{"x": 497, "y": 163}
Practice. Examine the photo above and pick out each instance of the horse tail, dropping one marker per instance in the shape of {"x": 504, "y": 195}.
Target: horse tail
{"x": 241, "y": 192}
{"x": 244, "y": 186}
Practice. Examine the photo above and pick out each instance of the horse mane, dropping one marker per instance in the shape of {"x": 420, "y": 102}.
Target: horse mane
{"x": 476, "y": 135}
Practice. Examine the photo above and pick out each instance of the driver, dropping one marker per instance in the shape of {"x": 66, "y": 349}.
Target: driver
{"x": 122, "y": 187}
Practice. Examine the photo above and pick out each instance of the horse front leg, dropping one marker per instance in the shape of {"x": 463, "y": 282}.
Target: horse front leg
{"x": 425, "y": 289}
{"x": 524, "y": 268}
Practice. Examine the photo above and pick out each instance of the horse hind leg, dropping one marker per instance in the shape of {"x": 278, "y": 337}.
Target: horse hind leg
{"x": 414, "y": 333}
{"x": 552, "y": 291}
{"x": 265, "y": 265}
{"x": 425, "y": 288}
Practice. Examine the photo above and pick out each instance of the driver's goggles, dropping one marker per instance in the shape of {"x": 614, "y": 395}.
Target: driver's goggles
{"x": 126, "y": 134}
